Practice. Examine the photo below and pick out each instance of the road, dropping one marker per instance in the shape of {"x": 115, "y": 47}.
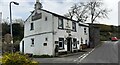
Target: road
{"x": 105, "y": 53}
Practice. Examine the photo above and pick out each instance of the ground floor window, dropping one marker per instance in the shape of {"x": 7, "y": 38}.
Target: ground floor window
{"x": 32, "y": 42}
{"x": 61, "y": 43}
{"x": 74, "y": 43}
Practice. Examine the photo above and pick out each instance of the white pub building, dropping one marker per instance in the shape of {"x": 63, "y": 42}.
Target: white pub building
{"x": 46, "y": 33}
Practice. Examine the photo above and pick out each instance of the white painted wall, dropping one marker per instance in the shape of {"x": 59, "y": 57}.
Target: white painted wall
{"x": 51, "y": 25}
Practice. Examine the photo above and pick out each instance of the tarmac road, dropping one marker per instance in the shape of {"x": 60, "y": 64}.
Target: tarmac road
{"x": 106, "y": 53}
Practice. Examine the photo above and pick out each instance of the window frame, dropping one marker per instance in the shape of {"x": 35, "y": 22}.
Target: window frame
{"x": 74, "y": 43}
{"x": 74, "y": 26}
{"x": 60, "y": 20}
{"x": 61, "y": 40}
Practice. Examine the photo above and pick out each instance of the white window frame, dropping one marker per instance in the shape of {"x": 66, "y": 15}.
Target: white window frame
{"x": 60, "y": 23}
{"x": 61, "y": 41}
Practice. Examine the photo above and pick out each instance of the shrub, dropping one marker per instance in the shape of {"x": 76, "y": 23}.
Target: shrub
{"x": 17, "y": 59}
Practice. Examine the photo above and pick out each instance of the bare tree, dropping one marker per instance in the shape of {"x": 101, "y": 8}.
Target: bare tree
{"x": 91, "y": 9}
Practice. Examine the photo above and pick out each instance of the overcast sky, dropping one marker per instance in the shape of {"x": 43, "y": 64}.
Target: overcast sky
{"x": 57, "y": 6}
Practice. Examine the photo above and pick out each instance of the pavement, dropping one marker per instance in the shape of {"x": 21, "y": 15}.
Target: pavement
{"x": 77, "y": 53}
{"x": 66, "y": 58}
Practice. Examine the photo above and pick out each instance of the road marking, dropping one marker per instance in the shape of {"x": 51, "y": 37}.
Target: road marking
{"x": 79, "y": 59}
{"x": 116, "y": 42}
{"x": 87, "y": 55}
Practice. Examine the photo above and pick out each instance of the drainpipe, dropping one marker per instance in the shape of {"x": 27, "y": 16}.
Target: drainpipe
{"x": 53, "y": 35}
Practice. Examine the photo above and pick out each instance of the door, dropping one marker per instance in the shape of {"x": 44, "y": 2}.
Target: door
{"x": 23, "y": 47}
{"x": 69, "y": 44}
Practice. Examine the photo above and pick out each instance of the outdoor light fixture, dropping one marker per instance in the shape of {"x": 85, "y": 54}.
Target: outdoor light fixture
{"x": 11, "y": 22}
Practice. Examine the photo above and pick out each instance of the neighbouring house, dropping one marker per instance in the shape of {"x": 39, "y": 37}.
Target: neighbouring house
{"x": 47, "y": 33}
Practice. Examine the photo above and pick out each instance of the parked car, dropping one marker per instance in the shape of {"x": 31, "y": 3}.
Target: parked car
{"x": 114, "y": 38}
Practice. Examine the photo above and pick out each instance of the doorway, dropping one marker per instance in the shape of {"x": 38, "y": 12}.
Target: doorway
{"x": 69, "y": 44}
{"x": 23, "y": 47}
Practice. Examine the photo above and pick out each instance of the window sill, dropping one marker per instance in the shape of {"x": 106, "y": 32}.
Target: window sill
{"x": 31, "y": 29}
{"x": 61, "y": 48}
{"x": 61, "y": 28}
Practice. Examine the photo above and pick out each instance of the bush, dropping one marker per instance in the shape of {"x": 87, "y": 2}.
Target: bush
{"x": 17, "y": 59}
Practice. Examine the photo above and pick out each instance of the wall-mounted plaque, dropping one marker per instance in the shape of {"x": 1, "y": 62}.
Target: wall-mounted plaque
{"x": 36, "y": 16}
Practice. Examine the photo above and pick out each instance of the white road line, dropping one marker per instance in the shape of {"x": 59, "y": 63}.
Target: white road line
{"x": 79, "y": 59}
{"x": 115, "y": 42}
{"x": 86, "y": 55}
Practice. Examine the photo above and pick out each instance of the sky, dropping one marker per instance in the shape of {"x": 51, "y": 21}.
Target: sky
{"x": 22, "y": 11}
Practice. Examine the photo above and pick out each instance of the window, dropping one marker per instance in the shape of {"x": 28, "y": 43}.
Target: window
{"x": 61, "y": 43}
{"x": 46, "y": 39}
{"x": 31, "y": 26}
{"x": 32, "y": 41}
{"x": 85, "y": 31}
{"x": 74, "y": 43}
{"x": 45, "y": 18}
{"x": 60, "y": 23}
{"x": 74, "y": 26}
{"x": 44, "y": 44}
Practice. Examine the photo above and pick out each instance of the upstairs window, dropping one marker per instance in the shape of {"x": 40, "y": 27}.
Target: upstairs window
{"x": 31, "y": 26}
{"x": 60, "y": 23}
{"x": 61, "y": 43}
{"x": 74, "y": 26}
{"x": 45, "y": 18}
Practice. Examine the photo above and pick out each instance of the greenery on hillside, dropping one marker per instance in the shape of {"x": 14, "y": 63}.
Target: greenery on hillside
{"x": 108, "y": 31}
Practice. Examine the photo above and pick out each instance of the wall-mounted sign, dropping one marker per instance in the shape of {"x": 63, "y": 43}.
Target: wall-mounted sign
{"x": 36, "y": 16}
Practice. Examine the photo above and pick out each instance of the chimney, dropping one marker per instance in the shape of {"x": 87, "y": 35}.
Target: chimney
{"x": 38, "y": 5}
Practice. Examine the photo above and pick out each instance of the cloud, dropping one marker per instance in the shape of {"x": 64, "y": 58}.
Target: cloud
{"x": 57, "y": 6}
{"x": 18, "y": 11}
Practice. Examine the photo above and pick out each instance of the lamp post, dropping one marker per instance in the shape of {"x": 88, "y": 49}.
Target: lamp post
{"x": 11, "y": 21}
